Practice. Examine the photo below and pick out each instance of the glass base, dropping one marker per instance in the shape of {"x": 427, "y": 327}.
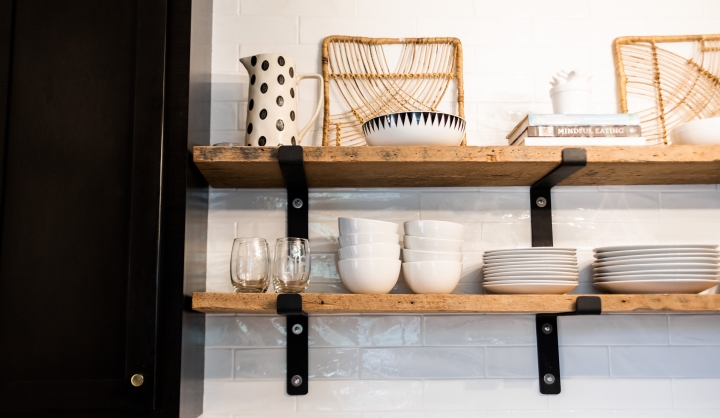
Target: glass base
{"x": 250, "y": 289}
{"x": 289, "y": 287}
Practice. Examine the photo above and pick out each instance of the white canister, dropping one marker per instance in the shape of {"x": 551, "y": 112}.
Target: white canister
{"x": 272, "y": 101}
{"x": 571, "y": 98}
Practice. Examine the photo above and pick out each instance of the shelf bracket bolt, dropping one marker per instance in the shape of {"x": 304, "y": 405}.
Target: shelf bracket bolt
{"x": 137, "y": 380}
{"x": 297, "y": 203}
{"x": 541, "y": 202}
{"x": 547, "y": 329}
{"x": 549, "y": 379}
{"x": 296, "y": 380}
{"x": 297, "y": 329}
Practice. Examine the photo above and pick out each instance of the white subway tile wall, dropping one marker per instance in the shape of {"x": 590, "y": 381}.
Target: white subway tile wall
{"x": 479, "y": 366}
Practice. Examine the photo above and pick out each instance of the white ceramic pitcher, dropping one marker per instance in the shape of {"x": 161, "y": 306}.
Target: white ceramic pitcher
{"x": 273, "y": 99}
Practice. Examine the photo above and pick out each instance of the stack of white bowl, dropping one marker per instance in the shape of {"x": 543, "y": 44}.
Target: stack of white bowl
{"x": 656, "y": 268}
{"x": 369, "y": 255}
{"x": 537, "y": 270}
{"x": 432, "y": 255}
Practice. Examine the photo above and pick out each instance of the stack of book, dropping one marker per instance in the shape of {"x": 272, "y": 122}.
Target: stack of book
{"x": 577, "y": 130}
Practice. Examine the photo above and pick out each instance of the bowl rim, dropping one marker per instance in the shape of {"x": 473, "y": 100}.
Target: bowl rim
{"x": 365, "y": 219}
{"x": 364, "y": 260}
{"x": 413, "y": 111}
{"x": 433, "y": 261}
{"x": 435, "y": 239}
{"x": 433, "y": 252}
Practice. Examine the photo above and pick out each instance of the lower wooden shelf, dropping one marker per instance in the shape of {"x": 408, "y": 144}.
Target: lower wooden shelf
{"x": 325, "y": 303}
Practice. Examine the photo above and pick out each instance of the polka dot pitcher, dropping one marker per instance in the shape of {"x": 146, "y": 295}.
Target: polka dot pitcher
{"x": 273, "y": 100}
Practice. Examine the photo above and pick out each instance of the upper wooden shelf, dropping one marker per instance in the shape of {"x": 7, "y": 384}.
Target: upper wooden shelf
{"x": 320, "y": 303}
{"x": 254, "y": 167}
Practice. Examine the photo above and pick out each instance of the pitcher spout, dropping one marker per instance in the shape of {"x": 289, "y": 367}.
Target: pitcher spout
{"x": 247, "y": 62}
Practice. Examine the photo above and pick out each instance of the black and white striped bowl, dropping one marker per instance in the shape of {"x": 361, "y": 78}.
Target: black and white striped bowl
{"x": 418, "y": 128}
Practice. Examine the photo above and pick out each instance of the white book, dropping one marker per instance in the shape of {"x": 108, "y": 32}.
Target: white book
{"x": 582, "y": 141}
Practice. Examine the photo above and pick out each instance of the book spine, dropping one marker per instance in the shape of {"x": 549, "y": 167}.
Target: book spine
{"x": 608, "y": 131}
{"x": 583, "y": 120}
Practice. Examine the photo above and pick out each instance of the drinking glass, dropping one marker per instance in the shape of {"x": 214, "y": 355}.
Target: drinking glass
{"x": 250, "y": 265}
{"x": 291, "y": 265}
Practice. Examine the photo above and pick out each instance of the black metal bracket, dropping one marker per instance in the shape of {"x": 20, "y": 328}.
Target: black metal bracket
{"x": 573, "y": 159}
{"x": 293, "y": 172}
{"x": 547, "y": 342}
{"x": 290, "y": 305}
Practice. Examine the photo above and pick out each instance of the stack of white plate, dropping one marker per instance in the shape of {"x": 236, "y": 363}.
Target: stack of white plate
{"x": 432, "y": 255}
{"x": 656, "y": 268}
{"x": 537, "y": 270}
{"x": 369, "y": 255}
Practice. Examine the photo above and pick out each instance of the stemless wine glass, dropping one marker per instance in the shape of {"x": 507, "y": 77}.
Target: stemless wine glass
{"x": 250, "y": 265}
{"x": 291, "y": 265}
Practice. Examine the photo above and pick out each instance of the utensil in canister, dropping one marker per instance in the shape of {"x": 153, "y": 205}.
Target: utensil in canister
{"x": 273, "y": 100}
{"x": 249, "y": 265}
{"x": 291, "y": 265}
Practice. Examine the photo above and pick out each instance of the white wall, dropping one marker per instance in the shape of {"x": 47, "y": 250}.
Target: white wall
{"x": 462, "y": 366}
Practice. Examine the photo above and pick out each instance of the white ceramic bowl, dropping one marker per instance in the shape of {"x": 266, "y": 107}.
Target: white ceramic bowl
{"x": 415, "y": 128}
{"x": 377, "y": 251}
{"x": 369, "y": 275}
{"x": 697, "y": 132}
{"x": 433, "y": 244}
{"x": 434, "y": 229}
{"x": 432, "y": 276}
{"x": 349, "y": 226}
{"x": 410, "y": 256}
{"x": 362, "y": 239}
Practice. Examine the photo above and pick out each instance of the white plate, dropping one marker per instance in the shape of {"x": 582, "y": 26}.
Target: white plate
{"x": 653, "y": 247}
{"x": 658, "y": 260}
{"x": 651, "y": 267}
{"x": 545, "y": 281}
{"x": 658, "y": 253}
{"x": 567, "y": 256}
{"x": 634, "y": 277}
{"x": 657, "y": 286}
{"x": 531, "y": 262}
{"x": 506, "y": 260}
{"x": 530, "y": 270}
{"x": 531, "y": 288}
{"x": 532, "y": 277}
{"x": 543, "y": 250}
{"x": 703, "y": 272}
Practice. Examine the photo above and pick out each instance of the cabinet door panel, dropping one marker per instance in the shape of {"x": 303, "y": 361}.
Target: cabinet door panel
{"x": 79, "y": 227}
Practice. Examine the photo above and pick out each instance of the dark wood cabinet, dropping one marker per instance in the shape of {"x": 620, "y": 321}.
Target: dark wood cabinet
{"x": 102, "y": 214}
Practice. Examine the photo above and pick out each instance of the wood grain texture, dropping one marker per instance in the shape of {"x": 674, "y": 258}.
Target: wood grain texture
{"x": 318, "y": 303}
{"x": 254, "y": 167}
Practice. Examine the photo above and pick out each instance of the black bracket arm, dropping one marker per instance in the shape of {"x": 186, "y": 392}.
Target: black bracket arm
{"x": 573, "y": 159}
{"x": 293, "y": 172}
{"x": 290, "y": 305}
{"x": 547, "y": 342}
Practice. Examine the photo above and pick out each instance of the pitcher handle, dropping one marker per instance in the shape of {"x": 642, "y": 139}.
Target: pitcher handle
{"x": 319, "y": 105}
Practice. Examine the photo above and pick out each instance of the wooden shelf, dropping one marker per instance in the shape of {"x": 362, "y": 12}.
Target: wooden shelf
{"x": 319, "y": 303}
{"x": 255, "y": 167}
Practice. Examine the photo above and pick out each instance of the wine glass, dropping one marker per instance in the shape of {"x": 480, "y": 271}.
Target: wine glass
{"x": 291, "y": 265}
{"x": 250, "y": 265}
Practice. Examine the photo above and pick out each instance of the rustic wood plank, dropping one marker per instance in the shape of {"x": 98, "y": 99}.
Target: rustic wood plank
{"x": 459, "y": 166}
{"x": 316, "y": 303}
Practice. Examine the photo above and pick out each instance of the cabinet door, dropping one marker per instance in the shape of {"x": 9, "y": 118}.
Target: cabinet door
{"x": 80, "y": 202}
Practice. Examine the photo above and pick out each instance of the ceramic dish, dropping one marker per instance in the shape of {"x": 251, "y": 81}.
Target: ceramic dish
{"x": 434, "y": 229}
{"x": 652, "y": 247}
{"x": 534, "y": 250}
{"x": 349, "y": 226}
{"x": 657, "y": 286}
{"x": 697, "y": 132}
{"x": 505, "y": 258}
{"x": 532, "y": 277}
{"x": 508, "y": 269}
{"x": 433, "y": 244}
{"x": 637, "y": 277}
{"x": 532, "y": 262}
{"x": 531, "y": 288}
{"x": 651, "y": 267}
{"x": 414, "y": 128}
{"x": 362, "y": 239}
{"x": 714, "y": 272}
{"x": 410, "y": 256}
{"x": 369, "y": 276}
{"x": 670, "y": 252}
{"x": 432, "y": 276}
{"x": 656, "y": 260}
{"x": 380, "y": 251}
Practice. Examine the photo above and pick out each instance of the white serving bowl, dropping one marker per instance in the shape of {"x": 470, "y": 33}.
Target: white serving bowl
{"x": 433, "y": 244}
{"x": 415, "y": 128}
{"x": 434, "y": 229}
{"x": 697, "y": 132}
{"x": 362, "y": 239}
{"x": 349, "y": 226}
{"x": 432, "y": 276}
{"x": 369, "y": 275}
{"x": 410, "y": 256}
{"x": 378, "y": 251}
